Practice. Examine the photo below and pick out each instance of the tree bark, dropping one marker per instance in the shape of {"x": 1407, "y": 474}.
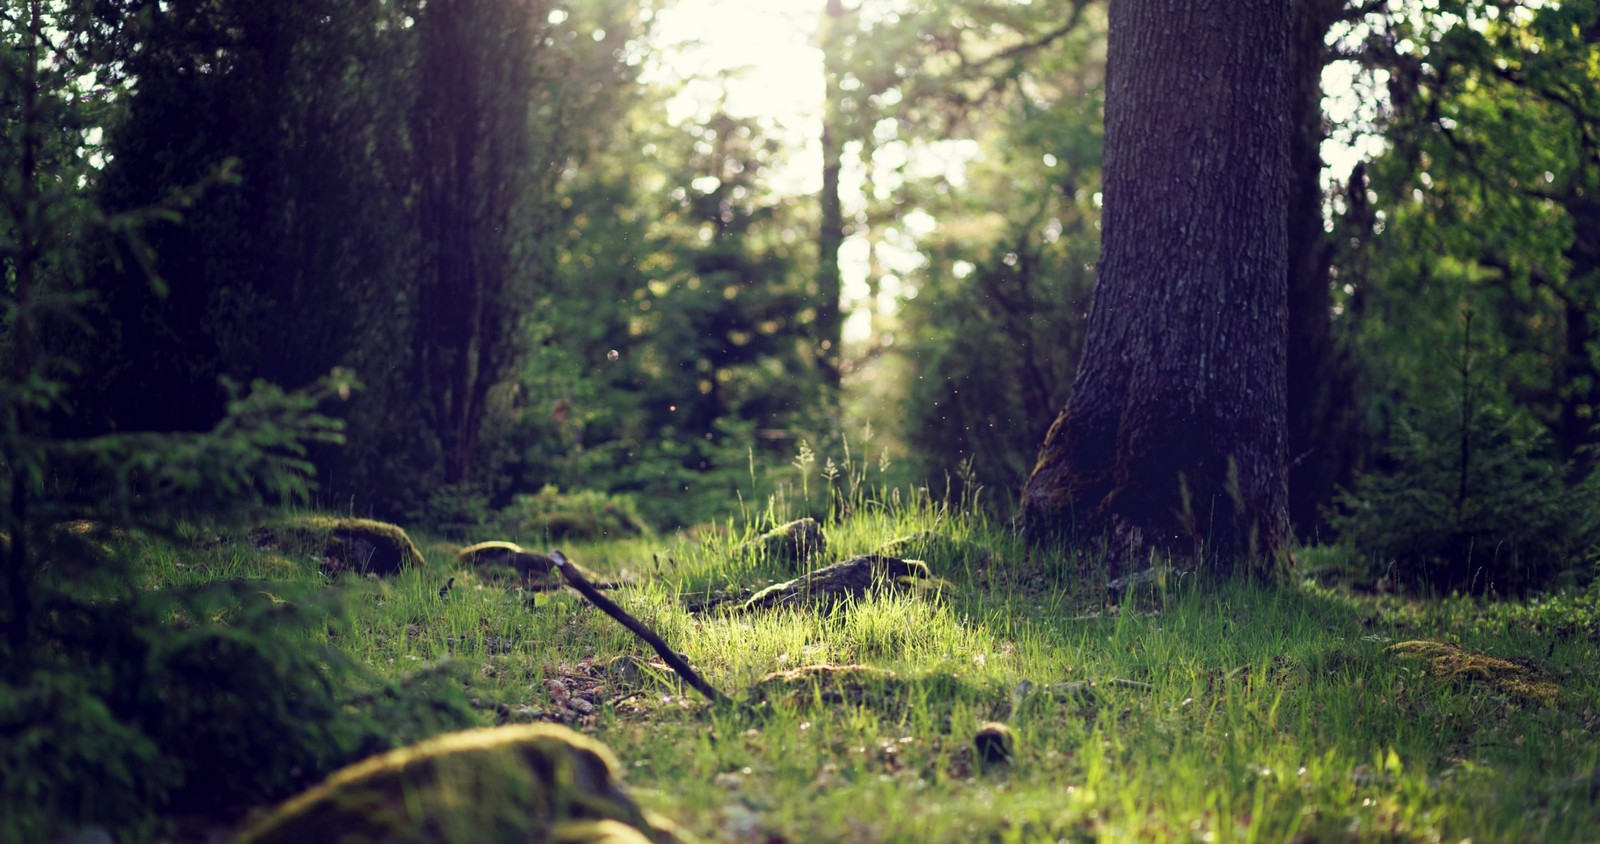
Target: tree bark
{"x": 1174, "y": 440}
{"x": 830, "y": 235}
{"x": 1322, "y": 424}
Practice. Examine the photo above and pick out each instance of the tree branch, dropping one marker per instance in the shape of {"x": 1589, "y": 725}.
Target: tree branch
{"x": 576, "y": 578}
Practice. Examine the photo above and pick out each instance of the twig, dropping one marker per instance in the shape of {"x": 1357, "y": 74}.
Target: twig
{"x": 574, "y": 576}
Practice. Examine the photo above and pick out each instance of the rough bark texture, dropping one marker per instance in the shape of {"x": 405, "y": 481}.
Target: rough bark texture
{"x": 1174, "y": 440}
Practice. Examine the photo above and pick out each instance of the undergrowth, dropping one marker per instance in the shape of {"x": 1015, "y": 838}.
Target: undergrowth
{"x": 1212, "y": 713}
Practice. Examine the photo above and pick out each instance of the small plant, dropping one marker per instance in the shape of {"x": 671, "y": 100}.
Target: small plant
{"x": 803, "y": 461}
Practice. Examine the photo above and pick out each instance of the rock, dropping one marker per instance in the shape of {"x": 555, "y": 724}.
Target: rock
{"x": 502, "y": 560}
{"x": 792, "y": 543}
{"x": 531, "y": 782}
{"x": 363, "y": 546}
{"x": 851, "y": 579}
{"x": 369, "y": 547}
{"x": 995, "y": 744}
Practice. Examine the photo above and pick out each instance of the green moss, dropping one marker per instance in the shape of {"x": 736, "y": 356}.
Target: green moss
{"x": 537, "y": 782}
{"x": 364, "y": 546}
{"x": 1449, "y": 661}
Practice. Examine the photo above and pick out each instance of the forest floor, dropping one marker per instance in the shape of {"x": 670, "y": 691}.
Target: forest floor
{"x": 1231, "y": 713}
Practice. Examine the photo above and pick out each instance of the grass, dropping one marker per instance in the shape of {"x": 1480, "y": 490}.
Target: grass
{"x": 1239, "y": 713}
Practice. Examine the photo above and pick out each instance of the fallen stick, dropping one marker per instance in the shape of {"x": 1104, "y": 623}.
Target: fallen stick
{"x": 575, "y": 577}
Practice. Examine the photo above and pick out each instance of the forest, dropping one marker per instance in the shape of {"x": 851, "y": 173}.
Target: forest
{"x": 844, "y": 420}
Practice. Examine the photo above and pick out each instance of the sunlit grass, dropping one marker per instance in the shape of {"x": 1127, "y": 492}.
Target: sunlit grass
{"x": 1227, "y": 713}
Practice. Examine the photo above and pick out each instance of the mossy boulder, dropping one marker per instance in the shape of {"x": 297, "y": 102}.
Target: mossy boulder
{"x": 995, "y": 744}
{"x": 527, "y": 783}
{"x": 507, "y": 561}
{"x": 364, "y": 546}
{"x": 848, "y": 580}
{"x": 792, "y": 543}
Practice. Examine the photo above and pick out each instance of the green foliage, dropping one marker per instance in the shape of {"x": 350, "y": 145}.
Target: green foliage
{"x": 675, "y": 350}
{"x": 983, "y": 347}
{"x": 119, "y": 704}
{"x": 407, "y": 232}
{"x": 551, "y": 514}
{"x": 1505, "y": 521}
{"x": 69, "y": 759}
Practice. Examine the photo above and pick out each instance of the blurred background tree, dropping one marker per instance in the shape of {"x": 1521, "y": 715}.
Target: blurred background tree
{"x": 554, "y": 257}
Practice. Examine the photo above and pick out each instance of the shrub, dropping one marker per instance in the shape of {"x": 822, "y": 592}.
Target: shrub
{"x": 1496, "y": 514}
{"x": 582, "y": 514}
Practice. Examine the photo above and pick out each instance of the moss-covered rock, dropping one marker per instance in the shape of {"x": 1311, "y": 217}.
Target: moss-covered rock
{"x": 364, "y": 546}
{"x": 528, "y": 783}
{"x": 792, "y": 543}
{"x": 507, "y": 561}
{"x": 370, "y": 547}
{"x": 848, "y": 580}
{"x": 995, "y": 744}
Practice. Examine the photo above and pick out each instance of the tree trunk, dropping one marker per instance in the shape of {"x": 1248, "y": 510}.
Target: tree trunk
{"x": 1174, "y": 440}
{"x": 473, "y": 147}
{"x": 830, "y": 236}
{"x": 1322, "y": 424}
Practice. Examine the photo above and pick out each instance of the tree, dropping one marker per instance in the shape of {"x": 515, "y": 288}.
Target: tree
{"x": 1174, "y": 440}
{"x": 1323, "y": 412}
{"x": 830, "y": 232}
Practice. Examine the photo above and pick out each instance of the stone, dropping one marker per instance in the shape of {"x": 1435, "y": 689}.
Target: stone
{"x": 503, "y": 560}
{"x": 850, "y": 579}
{"x": 529, "y": 782}
{"x": 362, "y": 546}
{"x": 995, "y": 744}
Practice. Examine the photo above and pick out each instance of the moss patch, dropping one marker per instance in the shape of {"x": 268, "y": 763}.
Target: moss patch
{"x": 364, "y": 546}
{"x": 536, "y": 782}
{"x": 1449, "y": 661}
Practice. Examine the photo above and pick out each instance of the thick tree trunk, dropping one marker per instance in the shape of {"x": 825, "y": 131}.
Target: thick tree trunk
{"x": 1174, "y": 440}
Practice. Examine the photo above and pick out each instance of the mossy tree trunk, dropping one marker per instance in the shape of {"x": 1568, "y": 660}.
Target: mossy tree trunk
{"x": 1174, "y": 439}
